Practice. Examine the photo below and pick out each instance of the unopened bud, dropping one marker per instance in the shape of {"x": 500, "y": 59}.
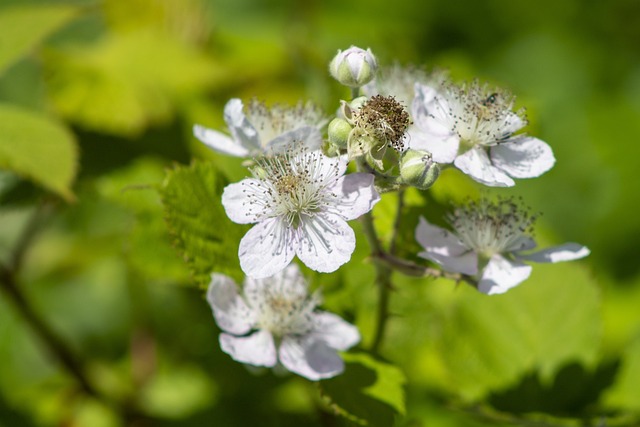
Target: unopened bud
{"x": 418, "y": 169}
{"x": 354, "y": 67}
{"x": 339, "y": 131}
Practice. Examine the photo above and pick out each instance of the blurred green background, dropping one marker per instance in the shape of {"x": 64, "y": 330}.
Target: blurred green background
{"x": 97, "y": 100}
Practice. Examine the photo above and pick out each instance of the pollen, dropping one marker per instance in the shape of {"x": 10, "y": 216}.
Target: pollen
{"x": 293, "y": 185}
{"x": 490, "y": 227}
{"x": 385, "y": 119}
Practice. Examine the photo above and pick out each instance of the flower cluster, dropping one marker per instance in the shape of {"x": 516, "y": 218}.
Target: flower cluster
{"x": 408, "y": 126}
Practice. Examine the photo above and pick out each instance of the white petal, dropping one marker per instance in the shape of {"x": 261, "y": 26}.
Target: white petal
{"x": 266, "y": 249}
{"x": 438, "y": 240}
{"x": 219, "y": 141}
{"x": 237, "y": 204}
{"x": 512, "y": 123}
{"x": 522, "y": 243}
{"x": 231, "y": 313}
{"x": 500, "y": 275}
{"x": 566, "y": 252}
{"x": 240, "y": 127}
{"x": 325, "y": 242}
{"x": 257, "y": 349}
{"x": 444, "y": 248}
{"x": 310, "y": 358}
{"x": 466, "y": 263}
{"x": 356, "y": 194}
{"x": 525, "y": 157}
{"x": 443, "y": 148}
{"x": 289, "y": 281}
{"x": 307, "y": 137}
{"x": 422, "y": 103}
{"x": 477, "y": 165}
{"x": 335, "y": 331}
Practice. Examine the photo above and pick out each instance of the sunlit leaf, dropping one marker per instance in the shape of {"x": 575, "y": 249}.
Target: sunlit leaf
{"x": 38, "y": 148}
{"x": 369, "y": 392}
{"x": 24, "y": 26}
{"x": 125, "y": 82}
{"x": 624, "y": 394}
{"x": 204, "y": 236}
{"x": 548, "y": 321}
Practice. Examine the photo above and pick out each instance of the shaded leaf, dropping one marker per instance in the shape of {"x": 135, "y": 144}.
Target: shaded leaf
{"x": 369, "y": 392}
{"x": 24, "y": 26}
{"x": 205, "y": 237}
{"x": 38, "y": 148}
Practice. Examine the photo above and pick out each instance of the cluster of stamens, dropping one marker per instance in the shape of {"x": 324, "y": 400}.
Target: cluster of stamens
{"x": 291, "y": 185}
{"x": 273, "y": 121}
{"x": 384, "y": 119}
{"x": 492, "y": 227}
{"x": 281, "y": 311}
{"x": 479, "y": 115}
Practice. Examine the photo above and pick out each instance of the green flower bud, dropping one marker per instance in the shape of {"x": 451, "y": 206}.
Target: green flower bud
{"x": 348, "y": 110}
{"x": 339, "y": 131}
{"x": 418, "y": 169}
{"x": 354, "y": 67}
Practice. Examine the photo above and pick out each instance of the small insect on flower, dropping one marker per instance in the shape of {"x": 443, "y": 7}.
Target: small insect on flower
{"x": 300, "y": 201}
{"x": 275, "y": 321}
{"x": 261, "y": 129}
{"x": 489, "y": 243}
{"x": 473, "y": 128}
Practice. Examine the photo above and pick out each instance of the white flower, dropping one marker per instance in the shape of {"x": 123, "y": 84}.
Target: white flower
{"x": 488, "y": 244}
{"x": 262, "y": 129}
{"x": 400, "y": 82}
{"x": 301, "y": 203}
{"x": 354, "y": 67}
{"x": 275, "y": 320}
{"x": 474, "y": 129}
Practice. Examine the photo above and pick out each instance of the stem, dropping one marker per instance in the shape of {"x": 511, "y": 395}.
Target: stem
{"x": 383, "y": 280}
{"x": 355, "y": 92}
{"x": 54, "y": 343}
{"x": 396, "y": 223}
{"x": 409, "y": 268}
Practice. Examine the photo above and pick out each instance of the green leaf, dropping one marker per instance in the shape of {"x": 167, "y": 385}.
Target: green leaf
{"x": 369, "y": 392}
{"x": 24, "y": 26}
{"x": 624, "y": 394}
{"x": 125, "y": 82}
{"x": 38, "y": 148}
{"x": 204, "y": 236}
{"x": 551, "y": 320}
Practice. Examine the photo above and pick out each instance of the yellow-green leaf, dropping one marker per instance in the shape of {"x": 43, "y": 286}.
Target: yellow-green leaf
{"x": 24, "y": 26}
{"x": 38, "y": 148}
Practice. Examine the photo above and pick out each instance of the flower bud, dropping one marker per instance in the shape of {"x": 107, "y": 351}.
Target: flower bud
{"x": 354, "y": 67}
{"x": 418, "y": 169}
{"x": 338, "y": 132}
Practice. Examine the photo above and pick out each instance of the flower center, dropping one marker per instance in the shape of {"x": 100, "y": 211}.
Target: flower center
{"x": 385, "y": 119}
{"x": 283, "y": 314}
{"x": 491, "y": 227}
{"x": 480, "y": 116}
{"x": 271, "y": 122}
{"x": 296, "y": 184}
